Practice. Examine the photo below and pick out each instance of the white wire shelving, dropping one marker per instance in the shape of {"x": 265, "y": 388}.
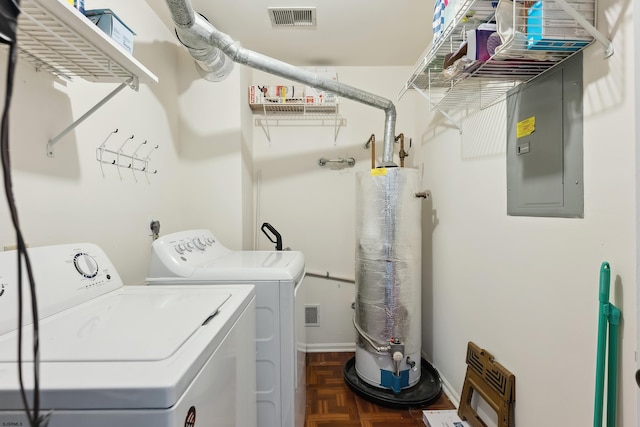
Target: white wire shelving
{"x": 297, "y": 114}
{"x": 542, "y": 34}
{"x": 55, "y": 37}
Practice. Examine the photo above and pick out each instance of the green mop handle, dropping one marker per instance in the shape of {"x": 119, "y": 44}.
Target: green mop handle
{"x": 612, "y": 362}
{"x": 605, "y": 279}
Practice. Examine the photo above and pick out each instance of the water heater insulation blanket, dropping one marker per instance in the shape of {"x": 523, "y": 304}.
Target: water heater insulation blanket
{"x": 388, "y": 267}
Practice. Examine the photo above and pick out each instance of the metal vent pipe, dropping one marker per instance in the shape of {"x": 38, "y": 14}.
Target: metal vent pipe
{"x": 212, "y": 50}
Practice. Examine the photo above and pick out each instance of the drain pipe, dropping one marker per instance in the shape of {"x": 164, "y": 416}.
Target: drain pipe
{"x": 212, "y": 50}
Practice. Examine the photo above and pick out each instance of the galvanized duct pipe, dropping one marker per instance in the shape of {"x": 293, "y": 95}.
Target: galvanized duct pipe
{"x": 211, "y": 49}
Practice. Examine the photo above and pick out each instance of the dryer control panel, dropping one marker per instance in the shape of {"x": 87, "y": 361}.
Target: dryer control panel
{"x": 180, "y": 254}
{"x": 190, "y": 244}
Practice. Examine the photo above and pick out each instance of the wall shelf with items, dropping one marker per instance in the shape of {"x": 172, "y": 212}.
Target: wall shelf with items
{"x": 489, "y": 47}
{"x": 278, "y": 113}
{"x": 56, "y": 37}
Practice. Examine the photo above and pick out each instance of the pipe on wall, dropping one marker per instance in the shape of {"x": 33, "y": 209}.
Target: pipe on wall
{"x": 213, "y": 49}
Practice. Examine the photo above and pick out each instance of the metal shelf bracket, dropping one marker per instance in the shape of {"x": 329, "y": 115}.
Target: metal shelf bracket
{"x": 457, "y": 124}
{"x": 593, "y": 31}
{"x": 73, "y": 125}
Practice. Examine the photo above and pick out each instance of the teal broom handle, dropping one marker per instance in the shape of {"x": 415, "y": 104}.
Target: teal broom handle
{"x": 605, "y": 279}
{"x": 612, "y": 362}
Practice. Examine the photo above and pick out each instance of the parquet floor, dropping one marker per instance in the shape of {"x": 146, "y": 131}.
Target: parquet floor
{"x": 330, "y": 402}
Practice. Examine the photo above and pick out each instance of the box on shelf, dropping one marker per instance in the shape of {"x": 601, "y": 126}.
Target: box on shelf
{"x": 260, "y": 95}
{"x": 276, "y": 94}
{"x": 477, "y": 42}
{"x": 108, "y": 22}
{"x": 550, "y": 28}
{"x": 78, "y": 4}
{"x": 320, "y": 96}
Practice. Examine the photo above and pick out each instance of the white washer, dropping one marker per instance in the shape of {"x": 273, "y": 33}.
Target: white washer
{"x": 126, "y": 356}
{"x": 195, "y": 256}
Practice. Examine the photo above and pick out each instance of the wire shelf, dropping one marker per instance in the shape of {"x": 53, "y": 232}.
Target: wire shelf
{"x": 280, "y": 119}
{"x": 540, "y": 35}
{"x": 54, "y": 36}
{"x": 306, "y": 110}
{"x": 277, "y": 112}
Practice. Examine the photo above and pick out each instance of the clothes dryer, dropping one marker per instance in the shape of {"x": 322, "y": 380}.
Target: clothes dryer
{"x": 127, "y": 356}
{"x": 197, "y": 256}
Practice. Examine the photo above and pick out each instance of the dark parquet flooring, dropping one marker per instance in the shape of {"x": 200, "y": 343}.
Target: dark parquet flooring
{"x": 330, "y": 402}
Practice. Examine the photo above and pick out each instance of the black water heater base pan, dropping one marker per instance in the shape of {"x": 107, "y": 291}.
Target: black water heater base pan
{"x": 426, "y": 391}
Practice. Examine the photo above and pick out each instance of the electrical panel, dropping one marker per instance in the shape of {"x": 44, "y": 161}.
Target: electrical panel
{"x": 544, "y": 144}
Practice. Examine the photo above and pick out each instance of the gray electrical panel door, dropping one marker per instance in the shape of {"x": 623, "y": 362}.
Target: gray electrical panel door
{"x": 544, "y": 144}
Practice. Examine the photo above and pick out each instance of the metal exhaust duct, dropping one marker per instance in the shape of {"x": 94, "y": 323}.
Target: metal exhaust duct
{"x": 214, "y": 52}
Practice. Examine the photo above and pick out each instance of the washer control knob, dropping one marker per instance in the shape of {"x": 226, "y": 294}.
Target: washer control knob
{"x": 189, "y": 246}
{"x": 210, "y": 241}
{"x": 179, "y": 248}
{"x": 86, "y": 265}
{"x": 199, "y": 244}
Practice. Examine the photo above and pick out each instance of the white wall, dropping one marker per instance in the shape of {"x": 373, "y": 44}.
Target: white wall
{"x": 526, "y": 289}
{"x": 636, "y": 66}
{"x": 248, "y": 197}
{"x": 211, "y": 152}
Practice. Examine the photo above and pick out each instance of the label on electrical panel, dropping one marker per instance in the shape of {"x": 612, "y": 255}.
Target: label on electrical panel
{"x": 379, "y": 172}
{"x": 526, "y": 127}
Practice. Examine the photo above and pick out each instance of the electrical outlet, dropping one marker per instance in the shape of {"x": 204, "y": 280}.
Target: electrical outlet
{"x": 149, "y": 226}
{"x": 154, "y": 226}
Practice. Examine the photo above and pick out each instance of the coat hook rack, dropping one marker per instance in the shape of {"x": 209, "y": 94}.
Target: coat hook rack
{"x": 100, "y": 150}
{"x": 121, "y": 159}
{"x": 119, "y": 153}
{"x": 134, "y": 158}
{"x": 145, "y": 169}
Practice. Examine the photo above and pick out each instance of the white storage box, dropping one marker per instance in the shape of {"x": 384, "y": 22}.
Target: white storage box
{"x": 108, "y": 22}
{"x": 276, "y": 94}
{"x": 317, "y": 96}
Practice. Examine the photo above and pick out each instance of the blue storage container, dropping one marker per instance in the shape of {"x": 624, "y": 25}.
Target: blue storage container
{"x": 546, "y": 32}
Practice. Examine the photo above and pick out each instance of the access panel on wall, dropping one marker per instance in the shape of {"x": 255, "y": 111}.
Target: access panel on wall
{"x": 544, "y": 144}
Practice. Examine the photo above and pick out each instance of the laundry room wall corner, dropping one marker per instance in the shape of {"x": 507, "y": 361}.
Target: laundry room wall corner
{"x": 212, "y": 152}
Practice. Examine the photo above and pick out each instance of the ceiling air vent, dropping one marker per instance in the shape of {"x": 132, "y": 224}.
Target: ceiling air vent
{"x": 287, "y": 17}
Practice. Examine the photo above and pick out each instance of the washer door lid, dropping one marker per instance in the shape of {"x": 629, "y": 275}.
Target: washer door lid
{"x": 131, "y": 325}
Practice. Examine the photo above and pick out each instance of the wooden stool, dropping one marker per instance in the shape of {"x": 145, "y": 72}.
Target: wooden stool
{"x": 493, "y": 382}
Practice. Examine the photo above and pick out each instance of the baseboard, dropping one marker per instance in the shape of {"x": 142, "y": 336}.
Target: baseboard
{"x": 450, "y": 392}
{"x": 331, "y": 347}
{"x": 453, "y": 396}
